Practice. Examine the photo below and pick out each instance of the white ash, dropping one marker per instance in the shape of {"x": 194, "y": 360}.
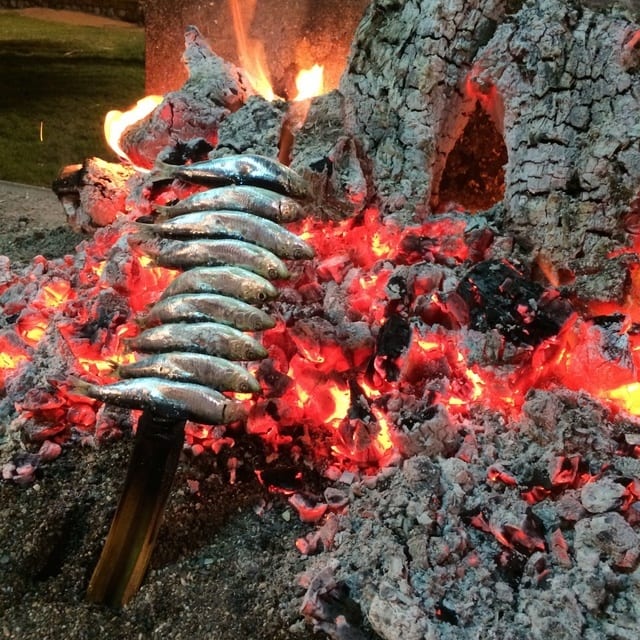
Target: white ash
{"x": 418, "y": 567}
{"x": 602, "y": 495}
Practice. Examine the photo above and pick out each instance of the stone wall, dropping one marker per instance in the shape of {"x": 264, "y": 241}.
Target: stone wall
{"x": 127, "y": 10}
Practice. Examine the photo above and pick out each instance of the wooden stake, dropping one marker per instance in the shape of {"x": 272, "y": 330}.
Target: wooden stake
{"x": 132, "y": 536}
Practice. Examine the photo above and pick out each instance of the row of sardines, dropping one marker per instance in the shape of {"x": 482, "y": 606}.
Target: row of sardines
{"x": 230, "y": 243}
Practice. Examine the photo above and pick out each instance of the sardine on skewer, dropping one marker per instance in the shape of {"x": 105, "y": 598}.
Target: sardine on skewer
{"x": 167, "y": 398}
{"x": 244, "y": 169}
{"x": 197, "y": 368}
{"x": 233, "y": 224}
{"x": 224, "y": 280}
{"x": 210, "y": 338}
{"x": 260, "y": 202}
{"x": 206, "y": 252}
{"x": 208, "y": 307}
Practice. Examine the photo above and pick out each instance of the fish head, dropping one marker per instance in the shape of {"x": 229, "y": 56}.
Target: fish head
{"x": 303, "y": 251}
{"x": 277, "y": 271}
{"x": 289, "y": 210}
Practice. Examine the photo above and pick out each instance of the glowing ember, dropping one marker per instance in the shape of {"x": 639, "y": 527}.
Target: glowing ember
{"x": 338, "y": 383}
{"x": 117, "y": 122}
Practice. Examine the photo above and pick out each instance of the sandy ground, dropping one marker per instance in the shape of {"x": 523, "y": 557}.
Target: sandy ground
{"x": 33, "y": 223}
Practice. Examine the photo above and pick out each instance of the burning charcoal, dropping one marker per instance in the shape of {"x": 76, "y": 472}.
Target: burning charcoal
{"x": 328, "y": 605}
{"x": 560, "y": 549}
{"x": 280, "y": 478}
{"x": 320, "y": 539}
{"x": 394, "y": 614}
{"x": 308, "y": 509}
{"x": 392, "y": 340}
{"x": 22, "y": 469}
{"x": 184, "y": 152}
{"x": 499, "y": 296}
{"x": 336, "y": 499}
{"x": 446, "y": 614}
{"x": 92, "y": 194}
{"x": 423, "y": 475}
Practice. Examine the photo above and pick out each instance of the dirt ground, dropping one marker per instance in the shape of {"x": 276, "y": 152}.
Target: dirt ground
{"x": 33, "y": 223}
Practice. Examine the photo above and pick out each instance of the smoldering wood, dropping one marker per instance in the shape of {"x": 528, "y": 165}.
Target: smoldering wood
{"x": 92, "y": 194}
{"x": 214, "y": 88}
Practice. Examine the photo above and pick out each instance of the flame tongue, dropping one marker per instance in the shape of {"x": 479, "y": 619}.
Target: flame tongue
{"x": 117, "y": 122}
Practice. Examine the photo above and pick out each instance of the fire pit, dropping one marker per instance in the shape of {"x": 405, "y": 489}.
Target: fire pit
{"x": 448, "y": 418}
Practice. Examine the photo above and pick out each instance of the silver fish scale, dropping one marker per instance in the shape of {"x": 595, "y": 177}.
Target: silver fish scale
{"x": 191, "y": 362}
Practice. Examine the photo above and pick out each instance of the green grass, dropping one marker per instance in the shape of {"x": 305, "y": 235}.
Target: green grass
{"x": 57, "y": 82}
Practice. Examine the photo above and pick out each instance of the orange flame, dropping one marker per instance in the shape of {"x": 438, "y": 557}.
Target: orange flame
{"x": 117, "y": 122}
{"x": 310, "y": 83}
{"x": 251, "y": 55}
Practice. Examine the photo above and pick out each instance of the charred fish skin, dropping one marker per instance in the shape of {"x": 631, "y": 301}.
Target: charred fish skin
{"x": 206, "y": 252}
{"x": 226, "y": 281}
{"x": 197, "y": 368}
{"x": 210, "y": 338}
{"x": 208, "y": 307}
{"x": 256, "y": 200}
{"x": 233, "y": 224}
{"x": 170, "y": 399}
{"x": 244, "y": 169}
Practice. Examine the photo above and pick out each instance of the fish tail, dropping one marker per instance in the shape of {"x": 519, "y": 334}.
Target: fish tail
{"x": 146, "y": 230}
{"x": 163, "y": 211}
{"x": 145, "y": 242}
{"x": 143, "y": 320}
{"x": 80, "y": 386}
{"x": 162, "y": 171}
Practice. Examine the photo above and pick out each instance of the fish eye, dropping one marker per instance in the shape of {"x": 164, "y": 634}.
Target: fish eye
{"x": 273, "y": 273}
{"x": 244, "y": 387}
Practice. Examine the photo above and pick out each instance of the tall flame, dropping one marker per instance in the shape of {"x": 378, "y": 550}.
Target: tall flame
{"x": 251, "y": 55}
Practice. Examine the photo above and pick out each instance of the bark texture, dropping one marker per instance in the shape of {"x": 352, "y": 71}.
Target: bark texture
{"x": 559, "y": 80}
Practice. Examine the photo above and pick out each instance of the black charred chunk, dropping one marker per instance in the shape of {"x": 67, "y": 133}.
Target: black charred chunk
{"x": 393, "y": 339}
{"x": 183, "y": 152}
{"x": 501, "y": 297}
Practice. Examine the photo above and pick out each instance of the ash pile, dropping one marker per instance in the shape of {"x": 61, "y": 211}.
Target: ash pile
{"x": 459, "y": 359}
